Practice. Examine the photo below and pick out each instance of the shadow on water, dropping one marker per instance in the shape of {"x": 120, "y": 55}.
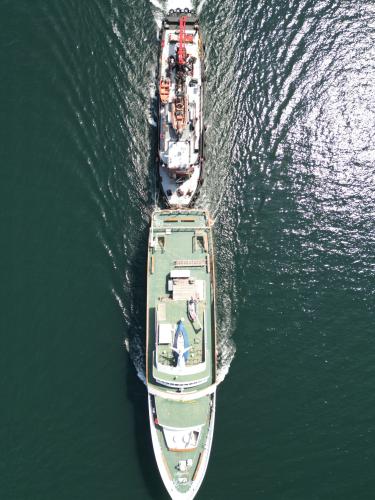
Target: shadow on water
{"x": 136, "y": 334}
{"x": 135, "y": 388}
{"x": 137, "y": 396}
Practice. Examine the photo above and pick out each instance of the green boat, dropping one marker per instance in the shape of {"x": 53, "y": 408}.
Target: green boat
{"x": 181, "y": 346}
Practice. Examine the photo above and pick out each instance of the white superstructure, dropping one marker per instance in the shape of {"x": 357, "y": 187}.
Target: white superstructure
{"x": 180, "y": 109}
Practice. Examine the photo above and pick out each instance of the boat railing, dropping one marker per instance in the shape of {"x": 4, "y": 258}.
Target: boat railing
{"x": 187, "y": 370}
{"x": 182, "y": 396}
{"x": 182, "y": 385}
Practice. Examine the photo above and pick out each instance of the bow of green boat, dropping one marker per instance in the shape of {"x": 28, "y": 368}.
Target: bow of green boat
{"x": 181, "y": 346}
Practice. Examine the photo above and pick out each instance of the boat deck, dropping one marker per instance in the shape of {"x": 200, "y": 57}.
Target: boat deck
{"x": 188, "y": 187}
{"x": 200, "y": 413}
{"x": 176, "y": 310}
{"x": 181, "y": 397}
{"x": 175, "y": 414}
{"x": 183, "y": 249}
{"x": 181, "y": 152}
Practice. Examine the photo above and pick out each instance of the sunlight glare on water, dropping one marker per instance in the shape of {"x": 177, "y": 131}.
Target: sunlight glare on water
{"x": 289, "y": 179}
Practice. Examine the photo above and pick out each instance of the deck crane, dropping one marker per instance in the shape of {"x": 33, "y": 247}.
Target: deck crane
{"x": 181, "y": 53}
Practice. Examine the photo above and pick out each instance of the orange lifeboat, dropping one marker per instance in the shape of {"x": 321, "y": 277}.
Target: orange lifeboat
{"x": 164, "y": 88}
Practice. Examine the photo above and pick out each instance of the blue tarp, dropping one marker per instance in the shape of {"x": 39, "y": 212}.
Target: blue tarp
{"x": 181, "y": 329}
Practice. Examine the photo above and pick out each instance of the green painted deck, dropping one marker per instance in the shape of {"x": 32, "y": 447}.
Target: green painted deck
{"x": 172, "y": 413}
{"x": 175, "y": 239}
{"x": 172, "y": 458}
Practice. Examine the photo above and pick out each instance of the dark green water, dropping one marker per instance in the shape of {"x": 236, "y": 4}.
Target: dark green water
{"x": 290, "y": 180}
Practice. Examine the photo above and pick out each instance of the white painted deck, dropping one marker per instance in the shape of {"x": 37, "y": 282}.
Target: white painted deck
{"x": 190, "y": 184}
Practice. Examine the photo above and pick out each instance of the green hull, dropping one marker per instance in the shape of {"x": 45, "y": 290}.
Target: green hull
{"x": 181, "y": 346}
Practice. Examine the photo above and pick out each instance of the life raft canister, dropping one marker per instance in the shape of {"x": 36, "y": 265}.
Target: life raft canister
{"x": 164, "y": 88}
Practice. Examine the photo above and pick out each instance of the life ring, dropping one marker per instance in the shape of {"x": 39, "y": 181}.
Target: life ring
{"x": 171, "y": 12}
{"x": 178, "y": 11}
{"x": 192, "y": 12}
{"x": 186, "y": 10}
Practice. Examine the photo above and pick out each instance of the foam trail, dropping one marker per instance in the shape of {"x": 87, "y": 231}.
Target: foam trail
{"x": 226, "y": 351}
{"x": 153, "y": 111}
{"x": 162, "y": 7}
{"x": 158, "y": 12}
{"x": 200, "y": 6}
{"x": 132, "y": 345}
{"x": 157, "y": 4}
{"x": 179, "y": 4}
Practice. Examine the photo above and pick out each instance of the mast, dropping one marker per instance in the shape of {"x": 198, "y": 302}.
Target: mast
{"x": 181, "y": 48}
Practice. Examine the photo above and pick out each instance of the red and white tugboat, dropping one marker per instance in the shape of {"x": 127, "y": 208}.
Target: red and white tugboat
{"x": 180, "y": 120}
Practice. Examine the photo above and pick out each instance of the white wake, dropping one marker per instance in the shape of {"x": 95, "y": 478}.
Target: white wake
{"x": 167, "y": 5}
{"x": 225, "y": 325}
{"x": 179, "y": 4}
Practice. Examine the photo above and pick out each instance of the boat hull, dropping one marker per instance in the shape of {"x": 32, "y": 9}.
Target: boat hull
{"x": 169, "y": 483}
{"x": 180, "y": 180}
{"x": 181, "y": 394}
